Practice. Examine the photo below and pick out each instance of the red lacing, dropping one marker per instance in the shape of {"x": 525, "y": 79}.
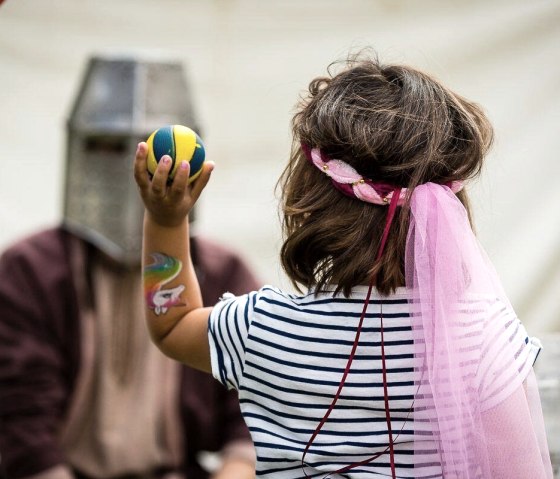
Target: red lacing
{"x": 390, "y": 448}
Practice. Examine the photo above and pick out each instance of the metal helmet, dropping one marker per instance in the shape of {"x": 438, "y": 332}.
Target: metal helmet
{"x": 120, "y": 102}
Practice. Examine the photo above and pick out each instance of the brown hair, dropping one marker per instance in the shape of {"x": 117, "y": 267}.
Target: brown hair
{"x": 393, "y": 124}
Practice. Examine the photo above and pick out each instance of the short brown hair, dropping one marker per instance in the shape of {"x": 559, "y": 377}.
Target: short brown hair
{"x": 393, "y": 124}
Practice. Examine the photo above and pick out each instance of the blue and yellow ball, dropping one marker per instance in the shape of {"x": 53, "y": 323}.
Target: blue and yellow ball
{"x": 180, "y": 143}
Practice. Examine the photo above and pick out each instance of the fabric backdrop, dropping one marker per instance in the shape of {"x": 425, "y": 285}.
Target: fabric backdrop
{"x": 248, "y": 61}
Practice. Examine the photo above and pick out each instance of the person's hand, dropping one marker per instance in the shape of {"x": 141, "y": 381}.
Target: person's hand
{"x": 168, "y": 204}
{"x": 235, "y": 469}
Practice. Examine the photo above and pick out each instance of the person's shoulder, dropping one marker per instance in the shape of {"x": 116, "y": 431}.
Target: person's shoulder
{"x": 38, "y": 262}
{"x": 220, "y": 269}
{"x": 274, "y": 297}
{"x": 267, "y": 293}
{"x": 47, "y": 244}
{"x": 215, "y": 258}
{"x": 206, "y": 249}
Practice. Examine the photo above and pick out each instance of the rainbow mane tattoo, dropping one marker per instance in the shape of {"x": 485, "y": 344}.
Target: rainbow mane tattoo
{"x": 163, "y": 270}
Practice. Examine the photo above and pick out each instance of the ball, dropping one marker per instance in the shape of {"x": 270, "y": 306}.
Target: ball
{"x": 180, "y": 143}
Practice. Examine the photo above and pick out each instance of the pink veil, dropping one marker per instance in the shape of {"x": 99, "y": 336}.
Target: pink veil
{"x": 453, "y": 287}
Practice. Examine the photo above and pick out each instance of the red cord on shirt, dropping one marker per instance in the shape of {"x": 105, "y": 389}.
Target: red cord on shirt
{"x": 390, "y": 448}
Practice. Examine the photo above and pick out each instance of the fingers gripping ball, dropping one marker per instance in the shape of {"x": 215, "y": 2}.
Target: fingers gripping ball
{"x": 180, "y": 143}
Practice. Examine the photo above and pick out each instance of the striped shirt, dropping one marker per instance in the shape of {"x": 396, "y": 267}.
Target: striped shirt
{"x": 286, "y": 354}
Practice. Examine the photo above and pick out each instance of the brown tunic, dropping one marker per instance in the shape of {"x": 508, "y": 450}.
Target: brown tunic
{"x": 41, "y": 351}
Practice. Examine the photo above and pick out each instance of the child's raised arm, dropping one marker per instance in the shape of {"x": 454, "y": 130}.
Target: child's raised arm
{"x": 175, "y": 315}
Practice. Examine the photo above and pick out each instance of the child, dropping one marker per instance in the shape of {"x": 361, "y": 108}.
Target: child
{"x": 402, "y": 356}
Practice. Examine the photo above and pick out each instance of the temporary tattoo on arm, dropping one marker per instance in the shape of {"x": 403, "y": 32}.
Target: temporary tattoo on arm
{"x": 163, "y": 270}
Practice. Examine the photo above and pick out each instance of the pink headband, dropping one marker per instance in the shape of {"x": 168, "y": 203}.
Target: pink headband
{"x": 348, "y": 181}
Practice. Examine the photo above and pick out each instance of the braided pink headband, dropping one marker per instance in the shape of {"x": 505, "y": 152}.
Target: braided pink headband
{"x": 348, "y": 181}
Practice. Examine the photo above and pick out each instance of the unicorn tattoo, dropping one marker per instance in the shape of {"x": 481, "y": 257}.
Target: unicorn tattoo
{"x": 163, "y": 270}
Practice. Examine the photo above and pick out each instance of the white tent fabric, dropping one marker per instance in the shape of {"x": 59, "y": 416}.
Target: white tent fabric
{"x": 248, "y": 61}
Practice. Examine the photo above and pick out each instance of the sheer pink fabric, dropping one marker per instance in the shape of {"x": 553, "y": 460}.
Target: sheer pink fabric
{"x": 450, "y": 277}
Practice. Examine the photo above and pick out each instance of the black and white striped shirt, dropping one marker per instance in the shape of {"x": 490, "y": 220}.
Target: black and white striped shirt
{"x": 286, "y": 354}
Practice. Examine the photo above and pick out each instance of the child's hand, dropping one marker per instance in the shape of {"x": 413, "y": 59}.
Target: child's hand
{"x": 168, "y": 205}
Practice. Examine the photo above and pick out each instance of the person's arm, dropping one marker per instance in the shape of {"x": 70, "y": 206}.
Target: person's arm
{"x": 238, "y": 454}
{"x": 176, "y": 319}
{"x": 33, "y": 369}
{"x": 515, "y": 438}
{"x": 56, "y": 472}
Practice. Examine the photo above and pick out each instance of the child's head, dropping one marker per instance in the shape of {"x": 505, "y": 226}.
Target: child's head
{"x": 393, "y": 124}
